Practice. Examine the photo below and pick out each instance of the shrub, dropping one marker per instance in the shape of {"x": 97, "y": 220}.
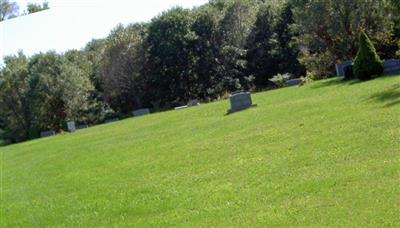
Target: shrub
{"x": 319, "y": 65}
{"x": 367, "y": 63}
{"x": 398, "y": 51}
{"x": 280, "y": 80}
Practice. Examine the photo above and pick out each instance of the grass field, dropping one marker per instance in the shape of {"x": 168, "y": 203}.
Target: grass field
{"x": 325, "y": 154}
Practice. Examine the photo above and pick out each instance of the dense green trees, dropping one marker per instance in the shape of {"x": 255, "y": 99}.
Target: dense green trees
{"x": 169, "y": 42}
{"x": 261, "y": 61}
{"x": 42, "y": 93}
{"x": 122, "y": 66}
{"x": 328, "y": 30}
{"x": 181, "y": 54}
{"x": 16, "y": 98}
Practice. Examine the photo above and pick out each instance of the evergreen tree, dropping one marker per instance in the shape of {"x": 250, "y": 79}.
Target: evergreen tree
{"x": 367, "y": 62}
{"x": 287, "y": 54}
{"x": 261, "y": 64}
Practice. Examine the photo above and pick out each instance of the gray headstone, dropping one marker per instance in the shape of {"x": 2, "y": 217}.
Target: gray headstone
{"x": 294, "y": 82}
{"x": 340, "y": 67}
{"x": 81, "y": 126}
{"x": 181, "y": 107}
{"x": 44, "y": 134}
{"x": 71, "y": 126}
{"x": 239, "y": 101}
{"x": 391, "y": 66}
{"x": 193, "y": 102}
{"x": 141, "y": 112}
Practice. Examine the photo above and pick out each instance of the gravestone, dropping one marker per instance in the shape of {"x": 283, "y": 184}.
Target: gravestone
{"x": 391, "y": 66}
{"x": 141, "y": 112}
{"x": 111, "y": 120}
{"x": 181, "y": 107}
{"x": 81, "y": 126}
{"x": 294, "y": 82}
{"x": 44, "y": 134}
{"x": 193, "y": 102}
{"x": 340, "y": 67}
{"x": 239, "y": 100}
{"x": 71, "y": 126}
{"x": 348, "y": 73}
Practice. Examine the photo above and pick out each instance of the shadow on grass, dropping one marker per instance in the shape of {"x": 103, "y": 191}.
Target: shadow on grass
{"x": 339, "y": 81}
{"x": 329, "y": 82}
{"x": 390, "y": 97}
{"x": 348, "y": 82}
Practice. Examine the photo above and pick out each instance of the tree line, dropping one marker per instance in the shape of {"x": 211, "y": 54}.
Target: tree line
{"x": 9, "y": 9}
{"x": 182, "y": 54}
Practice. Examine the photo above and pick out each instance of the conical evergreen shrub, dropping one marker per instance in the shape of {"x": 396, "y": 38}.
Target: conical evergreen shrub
{"x": 367, "y": 63}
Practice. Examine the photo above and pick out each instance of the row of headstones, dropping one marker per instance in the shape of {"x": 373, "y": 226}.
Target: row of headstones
{"x": 239, "y": 100}
{"x": 390, "y": 66}
{"x": 71, "y": 126}
{"x": 140, "y": 112}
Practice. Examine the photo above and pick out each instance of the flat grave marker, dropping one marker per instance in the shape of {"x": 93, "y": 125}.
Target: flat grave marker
{"x": 45, "y": 134}
{"x": 141, "y": 112}
{"x": 294, "y": 82}
{"x": 81, "y": 126}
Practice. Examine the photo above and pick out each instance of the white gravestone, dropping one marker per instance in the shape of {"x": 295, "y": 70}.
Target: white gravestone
{"x": 181, "y": 107}
{"x": 71, "y": 126}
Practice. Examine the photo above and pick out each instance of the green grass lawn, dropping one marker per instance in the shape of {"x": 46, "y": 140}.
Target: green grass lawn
{"x": 325, "y": 154}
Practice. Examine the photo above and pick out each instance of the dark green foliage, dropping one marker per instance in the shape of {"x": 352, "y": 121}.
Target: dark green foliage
{"x": 206, "y": 49}
{"x": 287, "y": 53}
{"x": 16, "y": 100}
{"x": 261, "y": 63}
{"x": 169, "y": 40}
{"x": 122, "y": 68}
{"x": 328, "y": 30}
{"x": 367, "y": 62}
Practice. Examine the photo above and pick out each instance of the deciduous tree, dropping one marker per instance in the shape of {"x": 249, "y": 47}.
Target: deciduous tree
{"x": 8, "y": 9}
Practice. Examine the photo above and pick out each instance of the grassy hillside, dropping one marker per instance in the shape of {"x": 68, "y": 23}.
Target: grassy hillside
{"x": 325, "y": 154}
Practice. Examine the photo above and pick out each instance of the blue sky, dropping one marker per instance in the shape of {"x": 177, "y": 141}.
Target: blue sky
{"x": 70, "y": 24}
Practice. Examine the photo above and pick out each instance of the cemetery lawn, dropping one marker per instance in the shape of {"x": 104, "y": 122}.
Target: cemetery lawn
{"x": 324, "y": 154}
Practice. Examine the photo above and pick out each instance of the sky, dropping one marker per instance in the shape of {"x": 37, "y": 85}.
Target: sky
{"x": 70, "y": 24}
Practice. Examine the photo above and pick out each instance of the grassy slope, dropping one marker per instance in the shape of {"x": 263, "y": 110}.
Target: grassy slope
{"x": 324, "y": 154}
